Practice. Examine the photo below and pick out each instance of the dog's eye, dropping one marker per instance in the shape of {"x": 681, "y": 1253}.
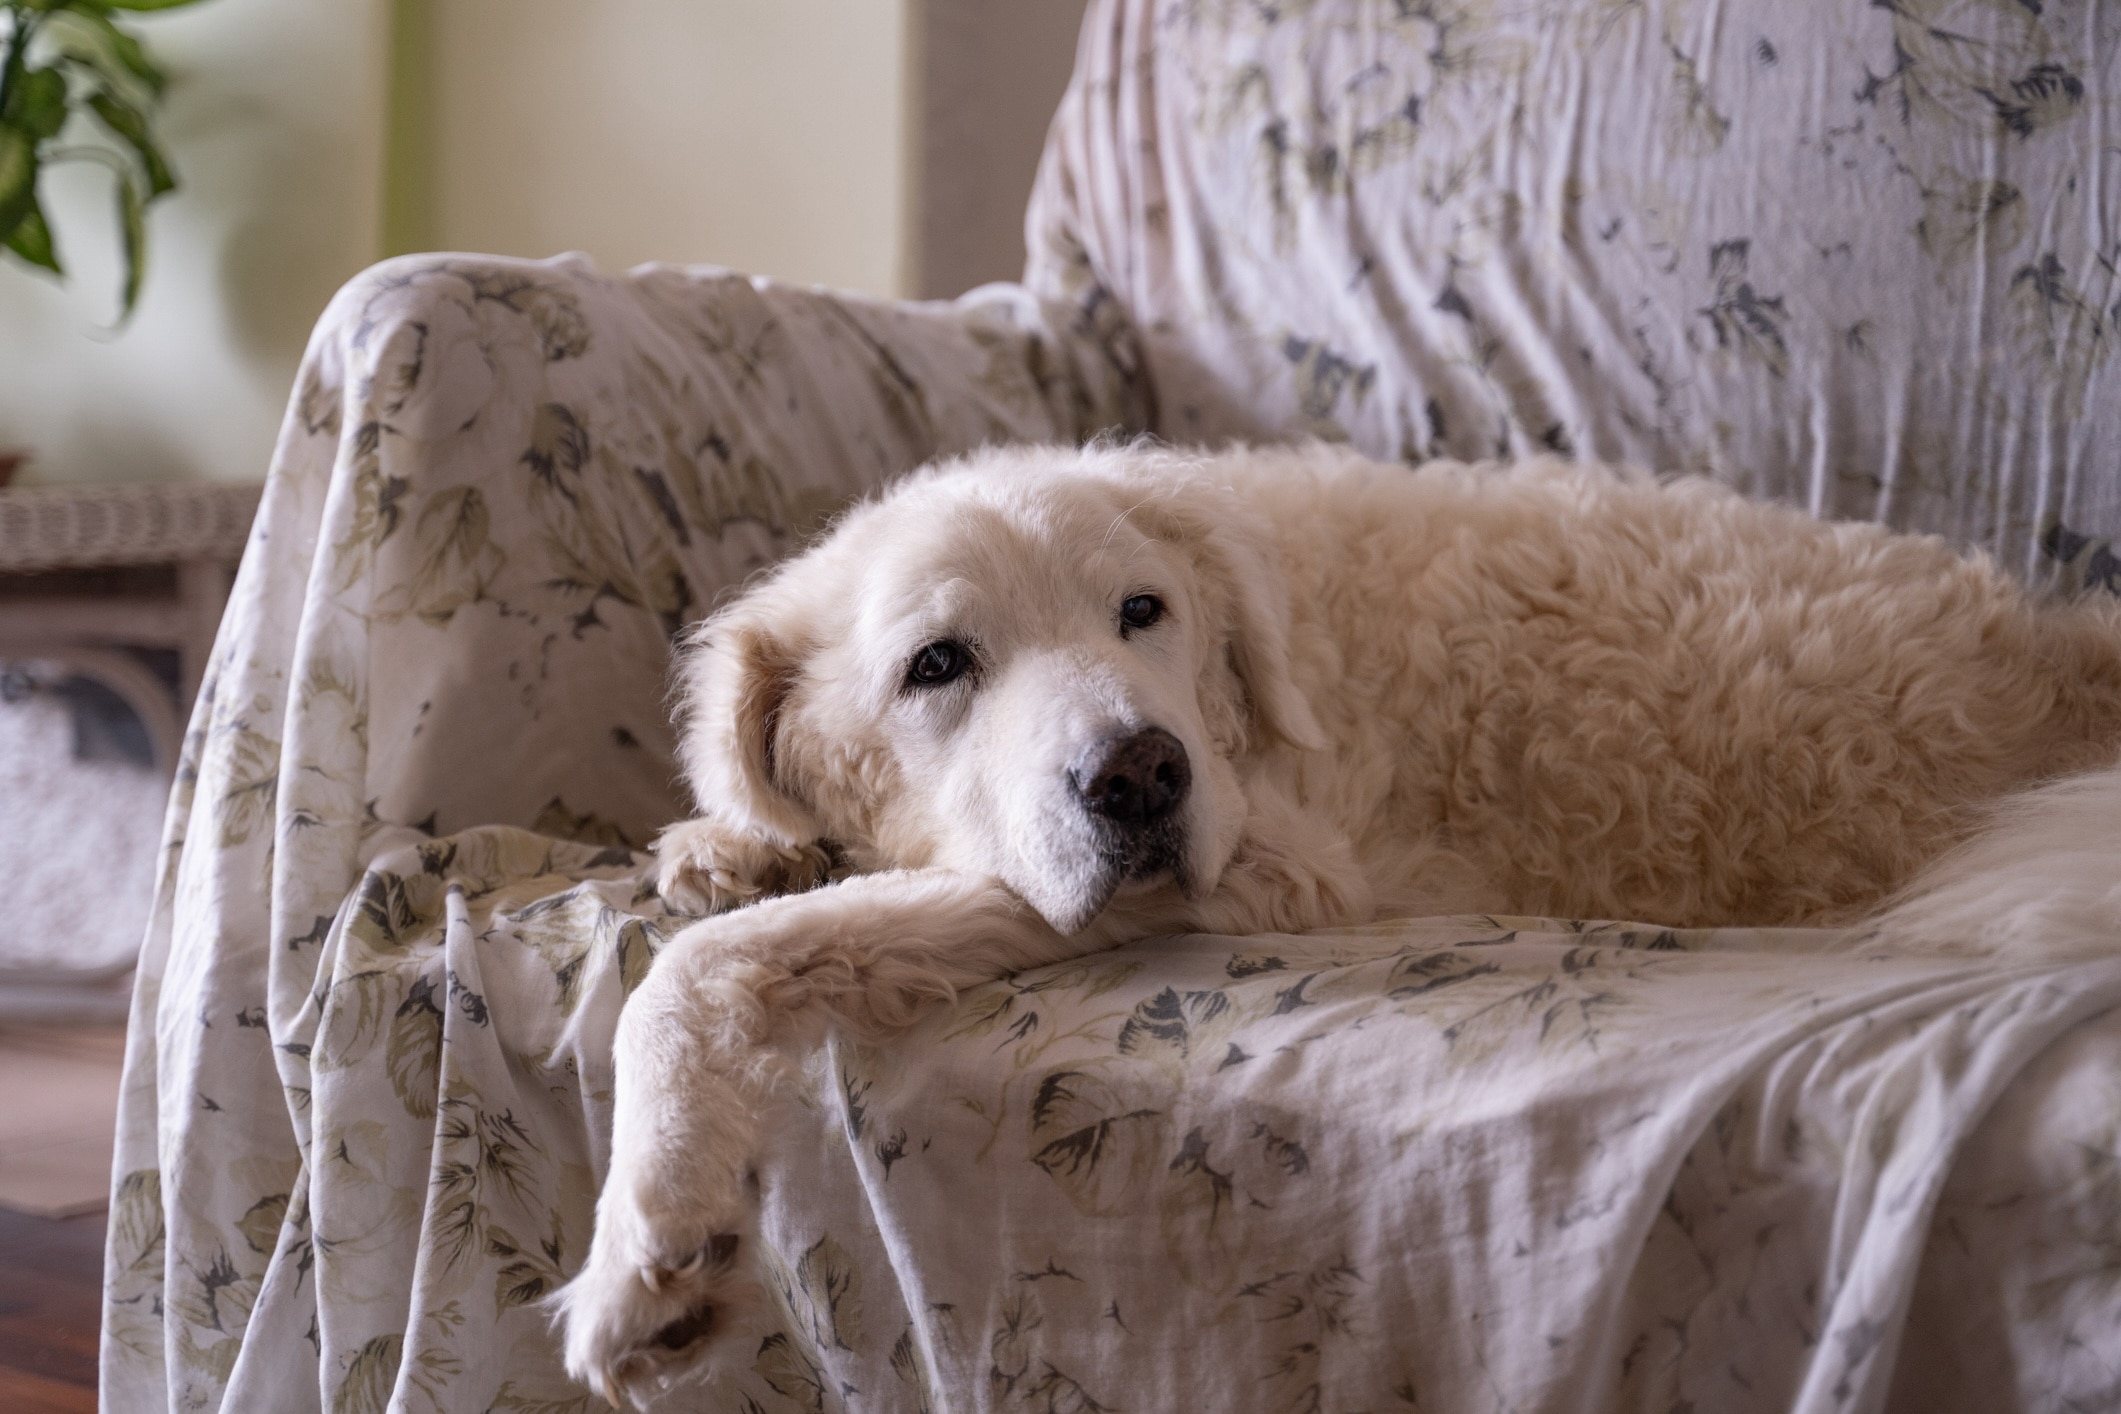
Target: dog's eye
{"x": 1140, "y": 612}
{"x": 940, "y": 662}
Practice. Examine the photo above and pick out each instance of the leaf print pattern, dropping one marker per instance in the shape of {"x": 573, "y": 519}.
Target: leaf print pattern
{"x": 2092, "y": 561}
{"x": 639, "y": 942}
{"x": 1400, "y": 1057}
{"x": 1389, "y": 1049}
{"x": 1323, "y": 378}
{"x": 589, "y": 828}
{"x": 1694, "y": 128}
{"x": 1746, "y": 323}
{"x": 482, "y": 1158}
{"x": 1098, "y": 1151}
{"x": 554, "y": 313}
{"x": 503, "y": 486}
{"x": 413, "y": 1053}
{"x": 1306, "y": 1313}
{"x": 1962, "y": 220}
{"x": 528, "y": 1273}
{"x": 2055, "y": 323}
{"x": 509, "y": 1400}
{"x": 1977, "y": 62}
{"x": 365, "y": 1387}
{"x": 136, "y": 1221}
{"x": 367, "y": 1106}
{"x": 1169, "y": 1020}
{"x": 378, "y": 506}
{"x": 249, "y": 768}
{"x": 831, "y": 1288}
{"x": 1782, "y": 252}
{"x": 454, "y": 558}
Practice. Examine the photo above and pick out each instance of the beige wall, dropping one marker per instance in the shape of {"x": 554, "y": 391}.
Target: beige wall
{"x": 878, "y": 145}
{"x": 761, "y": 134}
{"x": 885, "y": 146}
{"x": 988, "y": 74}
{"x": 274, "y": 124}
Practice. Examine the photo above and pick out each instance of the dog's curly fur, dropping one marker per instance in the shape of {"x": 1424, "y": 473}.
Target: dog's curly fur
{"x": 1531, "y": 688}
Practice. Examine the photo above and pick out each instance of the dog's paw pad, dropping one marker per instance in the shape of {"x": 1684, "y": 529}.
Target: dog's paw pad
{"x": 687, "y": 1330}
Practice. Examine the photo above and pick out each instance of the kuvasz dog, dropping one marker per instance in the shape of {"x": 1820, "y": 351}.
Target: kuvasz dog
{"x": 1038, "y": 702}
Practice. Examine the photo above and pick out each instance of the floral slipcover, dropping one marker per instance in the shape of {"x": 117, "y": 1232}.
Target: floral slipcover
{"x": 1510, "y": 1164}
{"x": 500, "y": 489}
{"x": 1859, "y": 255}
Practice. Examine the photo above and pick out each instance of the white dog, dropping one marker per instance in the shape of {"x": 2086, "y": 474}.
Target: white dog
{"x": 1045, "y": 701}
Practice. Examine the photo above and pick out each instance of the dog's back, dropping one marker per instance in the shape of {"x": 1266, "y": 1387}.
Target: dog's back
{"x": 1599, "y": 695}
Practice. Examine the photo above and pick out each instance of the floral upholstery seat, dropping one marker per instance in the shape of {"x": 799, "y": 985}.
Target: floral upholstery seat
{"x": 1859, "y": 257}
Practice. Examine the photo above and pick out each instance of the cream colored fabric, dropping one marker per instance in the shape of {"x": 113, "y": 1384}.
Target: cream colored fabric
{"x": 1426, "y": 1164}
{"x": 1864, "y": 258}
{"x": 1433, "y": 1165}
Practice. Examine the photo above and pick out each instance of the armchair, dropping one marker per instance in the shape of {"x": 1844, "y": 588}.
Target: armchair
{"x": 1816, "y": 250}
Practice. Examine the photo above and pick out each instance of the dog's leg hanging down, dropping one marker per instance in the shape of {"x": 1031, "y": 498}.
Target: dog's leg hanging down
{"x": 696, "y": 1058}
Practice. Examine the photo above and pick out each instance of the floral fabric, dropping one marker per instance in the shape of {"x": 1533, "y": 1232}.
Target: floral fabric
{"x": 1848, "y": 255}
{"x": 1864, "y": 258}
{"x": 1420, "y": 1164}
{"x": 500, "y": 489}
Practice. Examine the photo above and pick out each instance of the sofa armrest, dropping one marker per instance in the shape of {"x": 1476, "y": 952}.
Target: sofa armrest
{"x": 502, "y": 488}
{"x": 513, "y": 481}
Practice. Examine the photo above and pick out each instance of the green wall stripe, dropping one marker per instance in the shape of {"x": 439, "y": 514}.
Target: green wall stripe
{"x": 408, "y": 169}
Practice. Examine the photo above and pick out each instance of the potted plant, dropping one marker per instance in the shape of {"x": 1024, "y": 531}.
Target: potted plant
{"x": 69, "y": 57}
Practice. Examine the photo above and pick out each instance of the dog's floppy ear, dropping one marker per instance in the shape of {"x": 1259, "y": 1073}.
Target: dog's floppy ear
{"x": 733, "y": 679}
{"x": 1247, "y": 600}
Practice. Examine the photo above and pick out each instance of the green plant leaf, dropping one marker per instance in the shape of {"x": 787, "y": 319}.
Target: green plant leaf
{"x": 89, "y": 39}
{"x": 18, "y": 177}
{"x": 130, "y": 124}
{"x": 132, "y": 219}
{"x": 37, "y": 105}
{"x": 32, "y": 240}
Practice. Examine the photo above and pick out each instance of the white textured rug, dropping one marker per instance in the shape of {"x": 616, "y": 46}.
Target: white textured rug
{"x": 77, "y": 856}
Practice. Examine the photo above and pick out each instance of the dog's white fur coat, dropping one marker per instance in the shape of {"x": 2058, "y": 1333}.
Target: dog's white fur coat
{"x": 1531, "y": 688}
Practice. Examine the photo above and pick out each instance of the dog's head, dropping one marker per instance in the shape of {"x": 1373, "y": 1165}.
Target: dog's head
{"x": 1038, "y": 665}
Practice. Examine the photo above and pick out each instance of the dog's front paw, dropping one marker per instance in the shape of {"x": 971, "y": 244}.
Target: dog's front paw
{"x": 636, "y": 1322}
{"x": 704, "y": 866}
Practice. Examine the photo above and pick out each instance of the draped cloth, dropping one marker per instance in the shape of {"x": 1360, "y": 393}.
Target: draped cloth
{"x": 1858, "y": 258}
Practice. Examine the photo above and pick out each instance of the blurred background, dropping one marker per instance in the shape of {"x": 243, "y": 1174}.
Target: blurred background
{"x": 877, "y": 145}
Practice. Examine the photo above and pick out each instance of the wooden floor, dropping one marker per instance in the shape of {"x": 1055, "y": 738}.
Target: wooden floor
{"x": 51, "y": 1274}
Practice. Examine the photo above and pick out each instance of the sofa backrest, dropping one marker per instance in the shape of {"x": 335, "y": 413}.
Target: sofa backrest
{"x": 1863, "y": 257}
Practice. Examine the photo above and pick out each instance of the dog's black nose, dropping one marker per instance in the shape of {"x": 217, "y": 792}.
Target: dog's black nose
{"x": 1136, "y": 780}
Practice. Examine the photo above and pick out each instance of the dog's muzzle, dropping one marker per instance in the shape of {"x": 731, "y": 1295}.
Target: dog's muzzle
{"x": 1132, "y": 788}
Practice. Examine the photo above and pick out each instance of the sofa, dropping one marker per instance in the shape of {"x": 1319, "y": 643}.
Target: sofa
{"x": 1861, "y": 258}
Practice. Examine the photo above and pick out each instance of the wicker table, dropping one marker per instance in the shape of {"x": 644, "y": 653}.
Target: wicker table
{"x": 123, "y": 585}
